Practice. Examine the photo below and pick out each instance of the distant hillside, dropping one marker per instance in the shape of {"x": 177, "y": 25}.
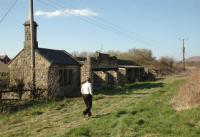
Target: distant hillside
{"x": 193, "y": 59}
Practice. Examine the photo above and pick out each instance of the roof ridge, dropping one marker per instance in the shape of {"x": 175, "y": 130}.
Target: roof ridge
{"x": 50, "y": 49}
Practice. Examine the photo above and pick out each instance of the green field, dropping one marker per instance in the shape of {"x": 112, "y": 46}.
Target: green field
{"x": 134, "y": 110}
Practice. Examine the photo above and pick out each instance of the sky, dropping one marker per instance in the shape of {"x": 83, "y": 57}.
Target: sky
{"x": 102, "y": 25}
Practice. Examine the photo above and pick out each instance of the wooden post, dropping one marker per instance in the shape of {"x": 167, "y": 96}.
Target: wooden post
{"x": 32, "y": 45}
{"x": 184, "y": 54}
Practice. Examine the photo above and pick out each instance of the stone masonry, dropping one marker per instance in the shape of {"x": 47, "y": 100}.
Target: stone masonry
{"x": 106, "y": 70}
{"x": 56, "y": 71}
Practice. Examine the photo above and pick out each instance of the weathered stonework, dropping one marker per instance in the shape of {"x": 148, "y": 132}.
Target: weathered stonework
{"x": 58, "y": 90}
{"x": 101, "y": 69}
{"x": 20, "y": 68}
{"x": 86, "y": 71}
{"x": 122, "y": 76}
{"x": 113, "y": 77}
{"x": 48, "y": 67}
{"x": 105, "y": 70}
{"x": 100, "y": 78}
{"x": 4, "y": 75}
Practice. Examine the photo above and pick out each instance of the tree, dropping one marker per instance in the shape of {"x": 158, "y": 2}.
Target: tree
{"x": 166, "y": 65}
{"x": 142, "y": 56}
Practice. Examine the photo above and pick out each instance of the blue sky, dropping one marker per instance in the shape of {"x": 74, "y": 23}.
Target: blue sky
{"x": 90, "y": 25}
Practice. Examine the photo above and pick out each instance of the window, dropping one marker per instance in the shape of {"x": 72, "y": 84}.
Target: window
{"x": 65, "y": 77}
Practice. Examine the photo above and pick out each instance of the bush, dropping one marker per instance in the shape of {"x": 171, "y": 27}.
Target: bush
{"x": 35, "y": 93}
{"x": 166, "y": 65}
{"x": 18, "y": 87}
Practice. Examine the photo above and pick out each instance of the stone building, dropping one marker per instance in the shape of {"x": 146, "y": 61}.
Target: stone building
{"x": 106, "y": 70}
{"x": 3, "y": 67}
{"x": 4, "y": 73}
{"x": 55, "y": 70}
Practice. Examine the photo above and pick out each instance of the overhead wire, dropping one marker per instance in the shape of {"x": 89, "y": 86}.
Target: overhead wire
{"x": 132, "y": 35}
{"x": 93, "y": 22}
{"x": 100, "y": 23}
{"x": 8, "y": 11}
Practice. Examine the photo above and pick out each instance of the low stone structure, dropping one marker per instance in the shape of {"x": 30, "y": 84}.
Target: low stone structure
{"x": 130, "y": 72}
{"x": 55, "y": 70}
{"x": 105, "y": 70}
{"x": 102, "y": 69}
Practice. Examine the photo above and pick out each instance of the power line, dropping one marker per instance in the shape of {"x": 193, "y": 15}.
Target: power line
{"x": 46, "y": 3}
{"x": 124, "y": 31}
{"x": 99, "y": 22}
{"x": 90, "y": 21}
{"x": 8, "y": 11}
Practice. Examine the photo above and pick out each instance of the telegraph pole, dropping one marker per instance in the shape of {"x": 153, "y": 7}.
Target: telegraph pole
{"x": 184, "y": 54}
{"x": 31, "y": 19}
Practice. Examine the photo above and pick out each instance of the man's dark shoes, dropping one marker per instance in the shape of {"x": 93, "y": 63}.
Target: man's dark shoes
{"x": 84, "y": 115}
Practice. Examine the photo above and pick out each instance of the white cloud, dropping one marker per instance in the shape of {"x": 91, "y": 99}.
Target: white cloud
{"x": 67, "y": 12}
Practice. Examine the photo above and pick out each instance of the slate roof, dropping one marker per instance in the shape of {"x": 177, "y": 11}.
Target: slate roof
{"x": 28, "y": 23}
{"x": 58, "y": 56}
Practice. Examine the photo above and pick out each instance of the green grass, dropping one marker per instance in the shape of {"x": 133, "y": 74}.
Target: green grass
{"x": 134, "y": 110}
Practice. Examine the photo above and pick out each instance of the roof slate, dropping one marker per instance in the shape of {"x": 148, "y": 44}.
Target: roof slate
{"x": 58, "y": 56}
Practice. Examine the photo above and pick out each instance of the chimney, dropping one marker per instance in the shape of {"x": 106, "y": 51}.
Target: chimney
{"x": 27, "y": 41}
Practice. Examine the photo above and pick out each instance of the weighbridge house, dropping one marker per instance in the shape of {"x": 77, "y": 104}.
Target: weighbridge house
{"x": 55, "y": 70}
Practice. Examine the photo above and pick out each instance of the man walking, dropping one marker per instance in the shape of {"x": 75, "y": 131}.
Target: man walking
{"x": 86, "y": 90}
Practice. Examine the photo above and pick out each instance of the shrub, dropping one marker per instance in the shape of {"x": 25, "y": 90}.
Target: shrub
{"x": 18, "y": 87}
{"x": 166, "y": 65}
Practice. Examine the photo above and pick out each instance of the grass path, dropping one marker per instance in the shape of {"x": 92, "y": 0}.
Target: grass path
{"x": 133, "y": 110}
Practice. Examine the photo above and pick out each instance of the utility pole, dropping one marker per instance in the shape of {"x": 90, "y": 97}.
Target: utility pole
{"x": 184, "y": 54}
{"x": 31, "y": 19}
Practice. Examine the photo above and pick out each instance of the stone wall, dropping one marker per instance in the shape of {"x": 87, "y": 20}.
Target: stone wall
{"x": 100, "y": 78}
{"x": 100, "y": 69}
{"x": 105, "y": 70}
{"x": 129, "y": 75}
{"x": 86, "y": 69}
{"x": 122, "y": 76}
{"x": 4, "y": 74}
{"x": 47, "y": 75}
{"x": 112, "y": 77}
{"x": 56, "y": 89}
{"x": 102, "y": 61}
{"x": 20, "y": 68}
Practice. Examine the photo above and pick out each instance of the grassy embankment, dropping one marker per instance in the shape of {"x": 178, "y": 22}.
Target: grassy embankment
{"x": 140, "y": 109}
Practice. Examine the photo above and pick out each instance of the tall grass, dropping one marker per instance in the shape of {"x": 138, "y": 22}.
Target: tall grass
{"x": 134, "y": 110}
{"x": 188, "y": 95}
